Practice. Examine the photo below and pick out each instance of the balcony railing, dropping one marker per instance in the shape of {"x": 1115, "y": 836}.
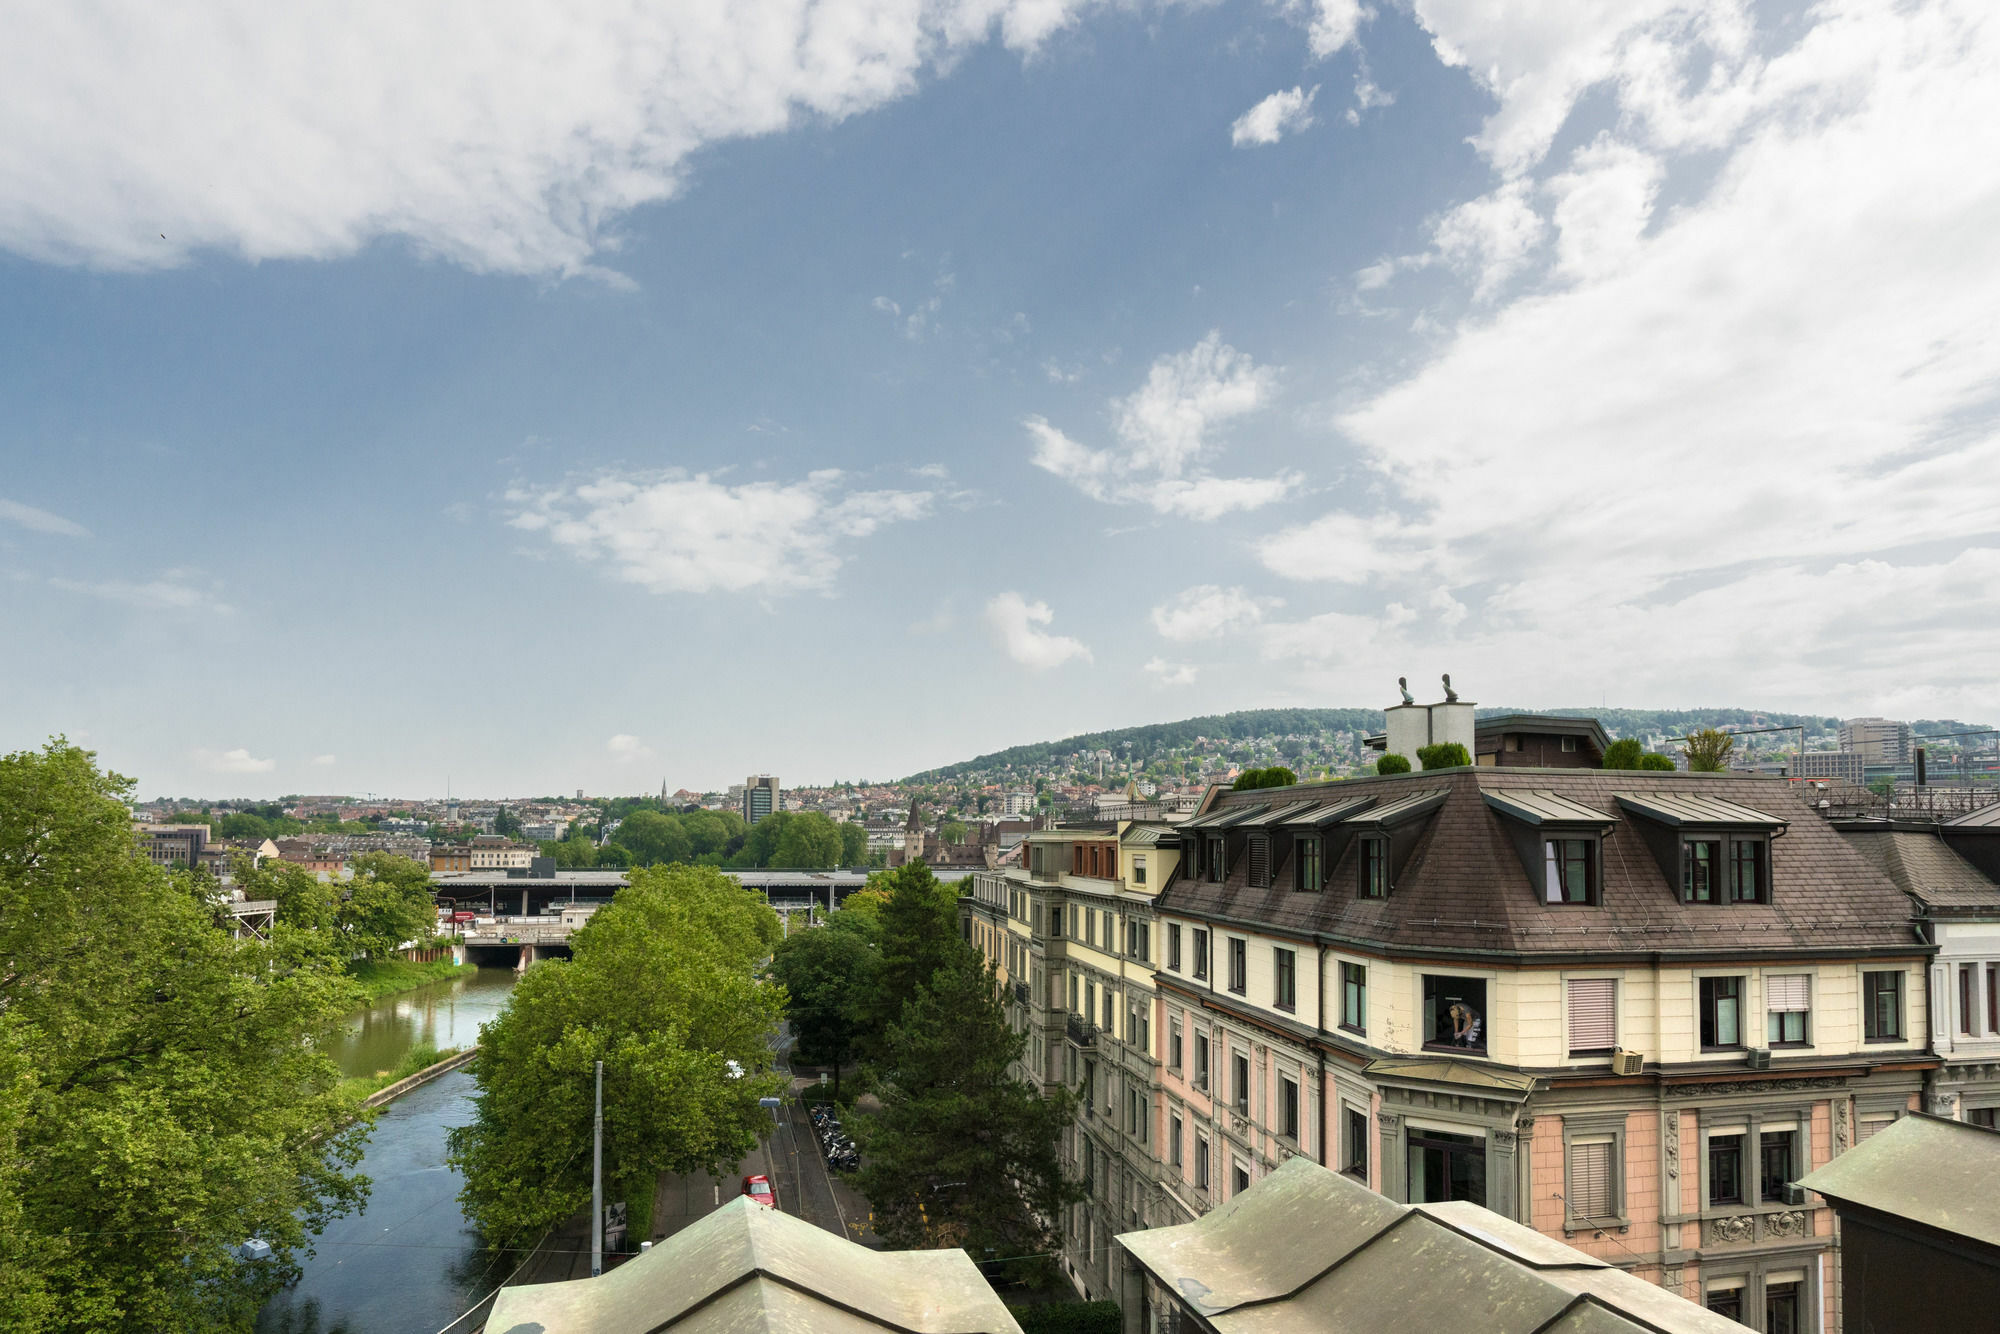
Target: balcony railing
{"x": 1021, "y": 993}
{"x": 1082, "y": 1032}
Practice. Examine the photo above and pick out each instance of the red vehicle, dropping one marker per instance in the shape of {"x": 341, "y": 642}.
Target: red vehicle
{"x": 758, "y": 1188}
{"x": 458, "y": 917}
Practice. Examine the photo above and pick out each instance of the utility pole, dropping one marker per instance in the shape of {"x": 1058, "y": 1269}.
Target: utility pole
{"x": 597, "y": 1182}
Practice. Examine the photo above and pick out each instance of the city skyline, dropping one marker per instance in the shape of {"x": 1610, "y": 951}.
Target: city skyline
{"x": 910, "y": 389}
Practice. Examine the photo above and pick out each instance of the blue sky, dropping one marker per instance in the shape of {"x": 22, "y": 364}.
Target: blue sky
{"x": 541, "y": 402}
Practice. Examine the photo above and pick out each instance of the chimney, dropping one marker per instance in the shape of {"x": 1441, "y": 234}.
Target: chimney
{"x": 1920, "y": 766}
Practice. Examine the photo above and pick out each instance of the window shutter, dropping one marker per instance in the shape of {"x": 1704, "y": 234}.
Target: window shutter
{"x": 1783, "y": 995}
{"x": 1260, "y": 860}
{"x": 1593, "y": 1014}
{"x": 1869, "y": 1126}
{"x": 1590, "y": 1179}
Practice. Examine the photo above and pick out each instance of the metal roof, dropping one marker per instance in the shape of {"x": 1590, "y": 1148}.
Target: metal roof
{"x": 1678, "y": 808}
{"x": 1943, "y": 1174}
{"x": 1444, "y": 1070}
{"x": 1399, "y": 810}
{"x": 1226, "y": 817}
{"x": 1279, "y": 814}
{"x": 1987, "y": 817}
{"x": 1540, "y": 807}
{"x": 1332, "y": 812}
{"x": 1305, "y": 1248}
{"x": 746, "y": 1268}
{"x": 1143, "y": 836}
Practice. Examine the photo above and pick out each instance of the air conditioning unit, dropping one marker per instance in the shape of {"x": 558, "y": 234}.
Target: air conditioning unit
{"x": 1760, "y": 1058}
{"x": 1627, "y": 1062}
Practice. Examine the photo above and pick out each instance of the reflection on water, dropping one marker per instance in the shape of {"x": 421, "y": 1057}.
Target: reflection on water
{"x": 409, "y": 1263}
{"x": 445, "y": 1014}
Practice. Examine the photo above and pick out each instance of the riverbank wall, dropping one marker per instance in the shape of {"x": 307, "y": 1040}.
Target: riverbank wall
{"x": 380, "y": 978}
{"x": 382, "y": 1097}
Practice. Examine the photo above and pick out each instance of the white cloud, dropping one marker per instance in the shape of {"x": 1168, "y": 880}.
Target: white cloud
{"x": 675, "y": 532}
{"x": 171, "y": 593}
{"x": 625, "y": 746}
{"x": 1172, "y": 673}
{"x": 1165, "y": 427}
{"x": 506, "y": 137}
{"x": 1368, "y": 95}
{"x": 1492, "y": 237}
{"x": 1282, "y": 113}
{"x": 238, "y": 761}
{"x": 1209, "y": 611}
{"x": 1696, "y": 450}
{"x": 39, "y": 521}
{"x": 1017, "y": 624}
{"x": 1334, "y": 24}
{"x": 322, "y": 761}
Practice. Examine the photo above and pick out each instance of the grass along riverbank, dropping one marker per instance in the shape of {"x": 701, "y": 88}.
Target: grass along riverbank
{"x": 420, "y": 1057}
{"x": 386, "y": 977}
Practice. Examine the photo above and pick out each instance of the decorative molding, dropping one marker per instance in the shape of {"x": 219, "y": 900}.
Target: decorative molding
{"x": 1503, "y": 1141}
{"x": 1791, "y": 1223}
{"x": 1388, "y": 1121}
{"x": 1670, "y": 1279}
{"x": 1945, "y": 1105}
{"x": 1839, "y": 1127}
{"x": 1736, "y": 1228}
{"x": 1673, "y": 1139}
{"x": 1754, "y": 1086}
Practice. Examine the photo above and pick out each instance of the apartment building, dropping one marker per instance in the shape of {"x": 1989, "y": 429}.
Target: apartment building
{"x": 1072, "y": 932}
{"x": 172, "y": 844}
{"x": 760, "y": 797}
{"x": 1876, "y": 740}
{"x": 1951, "y": 872}
{"x": 491, "y": 852}
{"x": 1627, "y": 1009}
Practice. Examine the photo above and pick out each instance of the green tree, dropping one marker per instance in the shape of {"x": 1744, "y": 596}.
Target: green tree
{"x": 710, "y": 831}
{"x": 1624, "y": 753}
{"x": 829, "y": 976}
{"x": 963, "y": 1153}
{"x": 572, "y": 853}
{"x": 853, "y": 844}
{"x": 1393, "y": 764}
{"x": 506, "y": 823}
{"x": 919, "y": 936}
{"x": 807, "y": 840}
{"x": 661, "y": 988}
{"x": 760, "y": 841}
{"x": 1443, "y": 755}
{"x": 305, "y": 901}
{"x": 613, "y": 857}
{"x": 654, "y": 839}
{"x": 389, "y": 903}
{"x": 163, "y": 1085}
{"x": 952, "y": 831}
{"x": 1655, "y": 761}
{"x": 1708, "y": 751}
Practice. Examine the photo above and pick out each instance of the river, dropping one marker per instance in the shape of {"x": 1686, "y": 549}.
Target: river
{"x": 409, "y": 1263}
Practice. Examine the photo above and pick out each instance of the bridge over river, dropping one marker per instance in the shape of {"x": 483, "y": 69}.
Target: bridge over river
{"x": 531, "y": 895}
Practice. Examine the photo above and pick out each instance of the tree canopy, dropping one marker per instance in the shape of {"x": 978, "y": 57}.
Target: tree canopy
{"x": 829, "y": 978}
{"x": 1624, "y": 753}
{"x": 963, "y": 1153}
{"x": 661, "y": 988}
{"x": 1393, "y": 764}
{"x": 919, "y": 936}
{"x": 1444, "y": 755}
{"x": 164, "y": 1092}
{"x": 1708, "y": 751}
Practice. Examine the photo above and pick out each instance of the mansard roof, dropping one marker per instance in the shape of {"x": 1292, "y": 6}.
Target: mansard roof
{"x": 1462, "y": 886}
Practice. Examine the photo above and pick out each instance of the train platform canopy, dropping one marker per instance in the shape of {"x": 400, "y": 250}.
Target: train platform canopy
{"x": 747, "y": 1268}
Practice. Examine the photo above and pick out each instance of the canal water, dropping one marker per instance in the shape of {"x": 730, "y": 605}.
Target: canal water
{"x": 410, "y": 1262}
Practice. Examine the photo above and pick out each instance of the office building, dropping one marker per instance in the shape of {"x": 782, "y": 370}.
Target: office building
{"x": 760, "y": 797}
{"x": 1876, "y": 740}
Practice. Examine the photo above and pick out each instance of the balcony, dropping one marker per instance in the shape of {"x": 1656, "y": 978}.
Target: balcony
{"x": 1021, "y": 994}
{"x": 1082, "y": 1032}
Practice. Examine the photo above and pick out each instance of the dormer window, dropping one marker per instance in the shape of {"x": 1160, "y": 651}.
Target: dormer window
{"x": 1701, "y": 870}
{"x": 1310, "y": 873}
{"x": 1260, "y": 860}
{"x": 1720, "y": 850}
{"x": 1216, "y": 864}
{"x": 1569, "y": 870}
{"x": 1735, "y": 869}
{"x": 1749, "y": 880}
{"x": 1374, "y": 859}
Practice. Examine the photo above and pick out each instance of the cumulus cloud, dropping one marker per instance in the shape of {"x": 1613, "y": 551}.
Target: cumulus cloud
{"x": 1172, "y": 673}
{"x": 168, "y": 593}
{"x": 39, "y": 521}
{"x": 1165, "y": 427}
{"x": 1282, "y": 113}
{"x": 1209, "y": 611}
{"x": 506, "y": 137}
{"x": 238, "y": 761}
{"x": 1018, "y": 625}
{"x": 1738, "y": 424}
{"x": 676, "y": 532}
{"x": 1334, "y": 24}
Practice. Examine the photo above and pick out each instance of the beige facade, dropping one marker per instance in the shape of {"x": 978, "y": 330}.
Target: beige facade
{"x": 1074, "y": 935}
{"x": 1639, "y": 1076}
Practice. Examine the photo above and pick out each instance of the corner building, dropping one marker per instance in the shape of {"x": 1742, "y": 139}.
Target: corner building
{"x": 1629, "y": 1009}
{"x": 1074, "y": 937}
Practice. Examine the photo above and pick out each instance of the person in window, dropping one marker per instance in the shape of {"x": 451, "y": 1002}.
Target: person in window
{"x": 1464, "y": 1025}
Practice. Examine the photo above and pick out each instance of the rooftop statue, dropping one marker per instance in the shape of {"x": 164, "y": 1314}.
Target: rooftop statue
{"x": 1450, "y": 695}
{"x": 1403, "y": 684}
